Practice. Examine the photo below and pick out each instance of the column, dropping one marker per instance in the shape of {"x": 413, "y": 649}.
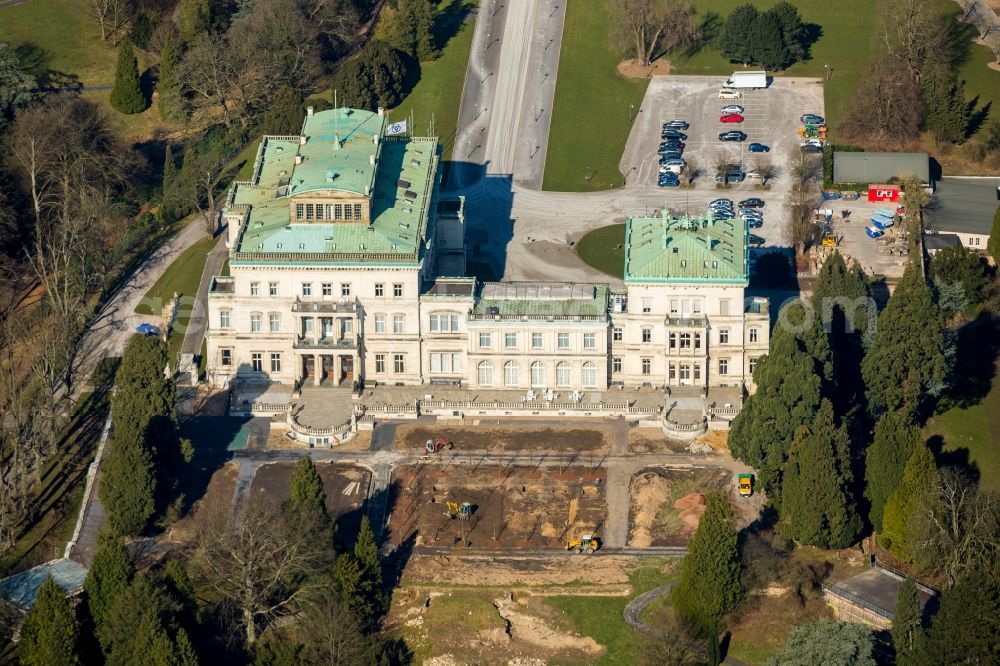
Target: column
{"x": 336, "y": 369}
{"x": 317, "y": 368}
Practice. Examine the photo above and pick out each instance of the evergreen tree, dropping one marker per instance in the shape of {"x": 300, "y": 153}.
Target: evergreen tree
{"x": 993, "y": 245}
{"x": 919, "y": 476}
{"x": 347, "y": 581}
{"x": 181, "y": 589}
{"x": 185, "y": 654}
{"x": 965, "y": 628}
{"x": 894, "y": 442}
{"x": 766, "y": 46}
{"x": 905, "y": 360}
{"x": 194, "y": 17}
{"x": 827, "y": 643}
{"x": 709, "y": 584}
{"x": 126, "y": 96}
{"x": 170, "y": 209}
{"x": 306, "y": 486}
{"x": 140, "y": 613}
{"x": 369, "y": 584}
{"x": 947, "y": 113}
{"x": 816, "y": 505}
{"x": 128, "y": 485}
{"x": 423, "y": 29}
{"x": 963, "y": 267}
{"x": 110, "y": 573}
{"x": 285, "y": 113}
{"x": 906, "y": 621}
{"x": 733, "y": 41}
{"x": 48, "y": 635}
{"x": 787, "y": 397}
{"x": 792, "y": 31}
{"x": 170, "y": 100}
{"x": 376, "y": 77}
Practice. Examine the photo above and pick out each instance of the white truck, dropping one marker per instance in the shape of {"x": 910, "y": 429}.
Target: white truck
{"x": 747, "y": 80}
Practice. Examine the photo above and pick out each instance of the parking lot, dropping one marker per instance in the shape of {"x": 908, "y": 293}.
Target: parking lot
{"x": 884, "y": 256}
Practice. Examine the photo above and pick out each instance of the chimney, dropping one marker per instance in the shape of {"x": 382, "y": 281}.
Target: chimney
{"x": 298, "y": 159}
{"x": 302, "y": 141}
{"x": 371, "y": 160}
{"x": 309, "y": 111}
{"x": 336, "y": 141}
{"x": 381, "y": 112}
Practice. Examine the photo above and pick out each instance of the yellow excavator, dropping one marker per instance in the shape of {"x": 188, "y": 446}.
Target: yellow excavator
{"x": 456, "y": 510}
{"x": 586, "y": 543}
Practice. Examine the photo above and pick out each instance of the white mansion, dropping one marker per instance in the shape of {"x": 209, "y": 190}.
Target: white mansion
{"x": 339, "y": 245}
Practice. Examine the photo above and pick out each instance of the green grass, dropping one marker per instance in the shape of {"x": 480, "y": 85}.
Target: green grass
{"x": 590, "y": 119}
{"x": 976, "y": 430}
{"x": 604, "y": 249}
{"x": 439, "y": 91}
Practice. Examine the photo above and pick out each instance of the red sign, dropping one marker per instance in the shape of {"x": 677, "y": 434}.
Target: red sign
{"x": 883, "y": 193}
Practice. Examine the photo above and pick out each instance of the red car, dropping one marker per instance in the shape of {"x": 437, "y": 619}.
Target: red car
{"x": 731, "y": 118}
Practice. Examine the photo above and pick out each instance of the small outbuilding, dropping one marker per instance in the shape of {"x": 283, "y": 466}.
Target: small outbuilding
{"x": 879, "y": 168}
{"x": 870, "y": 597}
{"x": 964, "y": 206}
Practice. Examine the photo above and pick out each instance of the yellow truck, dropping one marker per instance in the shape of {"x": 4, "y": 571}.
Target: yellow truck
{"x": 746, "y": 484}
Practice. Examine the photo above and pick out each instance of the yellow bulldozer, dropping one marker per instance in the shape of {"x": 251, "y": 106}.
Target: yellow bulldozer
{"x": 586, "y": 543}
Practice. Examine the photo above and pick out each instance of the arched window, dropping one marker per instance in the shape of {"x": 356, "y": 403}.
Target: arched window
{"x": 589, "y": 374}
{"x": 485, "y": 373}
{"x": 562, "y": 374}
{"x": 510, "y": 373}
{"x": 537, "y": 374}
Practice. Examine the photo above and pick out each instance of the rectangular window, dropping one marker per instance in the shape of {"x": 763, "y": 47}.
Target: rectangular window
{"x": 672, "y": 341}
{"x": 675, "y": 306}
{"x": 589, "y": 341}
{"x": 327, "y": 288}
{"x": 226, "y": 357}
{"x": 685, "y": 340}
{"x": 647, "y": 305}
{"x": 255, "y": 322}
{"x": 357, "y": 211}
{"x": 753, "y": 365}
{"x": 224, "y": 318}
{"x": 379, "y": 289}
{"x": 345, "y": 289}
{"x": 274, "y": 322}
{"x": 647, "y": 366}
{"x": 697, "y": 340}
{"x": 257, "y": 361}
{"x": 562, "y": 340}
{"x": 647, "y": 335}
{"x": 379, "y": 364}
{"x": 616, "y": 334}
{"x": 696, "y": 307}
{"x": 275, "y": 362}
{"x": 453, "y": 320}
{"x": 485, "y": 341}
{"x": 435, "y": 324}
{"x": 671, "y": 372}
{"x": 300, "y": 211}
{"x": 398, "y": 363}
{"x": 536, "y": 340}
{"x": 697, "y": 371}
{"x": 724, "y": 307}
{"x": 309, "y": 211}
{"x": 753, "y": 335}
{"x": 616, "y": 365}
{"x": 272, "y": 288}
{"x": 380, "y": 323}
{"x": 723, "y": 366}
{"x": 338, "y": 211}
{"x": 510, "y": 340}
{"x": 723, "y": 336}
{"x": 255, "y": 288}
{"x": 397, "y": 323}
{"x": 397, "y": 290}
{"x": 307, "y": 289}
{"x": 444, "y": 362}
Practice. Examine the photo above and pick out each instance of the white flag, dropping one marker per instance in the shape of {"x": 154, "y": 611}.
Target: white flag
{"x": 396, "y": 128}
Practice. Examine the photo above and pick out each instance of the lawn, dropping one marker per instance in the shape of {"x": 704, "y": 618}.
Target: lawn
{"x": 438, "y": 94}
{"x": 604, "y": 249}
{"x": 590, "y": 120}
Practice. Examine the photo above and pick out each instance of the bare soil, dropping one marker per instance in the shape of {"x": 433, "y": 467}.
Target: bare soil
{"x": 652, "y": 440}
{"x": 218, "y": 494}
{"x": 346, "y": 487}
{"x": 278, "y": 440}
{"x": 633, "y": 68}
{"x": 513, "y": 507}
{"x": 596, "y": 438}
{"x": 609, "y": 574}
{"x": 761, "y": 624}
{"x": 667, "y": 504}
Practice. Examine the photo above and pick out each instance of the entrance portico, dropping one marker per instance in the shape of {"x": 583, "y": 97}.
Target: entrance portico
{"x": 326, "y": 367}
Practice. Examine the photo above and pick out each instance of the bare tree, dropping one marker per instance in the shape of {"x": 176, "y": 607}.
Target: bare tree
{"x": 765, "y": 167}
{"x": 957, "y": 526}
{"x": 646, "y": 26}
{"x": 913, "y": 33}
{"x": 986, "y": 23}
{"x": 887, "y": 105}
{"x": 331, "y": 634}
{"x": 256, "y": 561}
{"x": 691, "y": 170}
{"x": 720, "y": 161}
{"x": 110, "y": 16}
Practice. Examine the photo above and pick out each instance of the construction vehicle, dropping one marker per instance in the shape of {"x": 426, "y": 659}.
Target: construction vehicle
{"x": 587, "y": 543}
{"x": 813, "y": 132}
{"x": 829, "y": 241}
{"x": 435, "y": 445}
{"x": 746, "y": 484}
{"x": 456, "y": 510}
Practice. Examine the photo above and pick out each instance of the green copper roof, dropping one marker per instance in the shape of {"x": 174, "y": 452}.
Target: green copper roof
{"x": 541, "y": 299}
{"x": 402, "y": 186}
{"x": 668, "y": 249}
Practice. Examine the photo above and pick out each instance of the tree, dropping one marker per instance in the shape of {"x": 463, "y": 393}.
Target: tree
{"x": 170, "y": 210}
{"x": 895, "y": 439}
{"x": 946, "y": 111}
{"x": 306, "y": 486}
{"x": 963, "y": 268}
{"x": 194, "y": 17}
{"x": 48, "y": 635}
{"x": 732, "y": 38}
{"x": 369, "y": 585}
{"x": 126, "y": 96}
{"x": 915, "y": 34}
{"x": 411, "y": 29}
{"x": 110, "y": 573}
{"x": 170, "y": 99}
{"x": 185, "y": 654}
{"x": 993, "y": 245}
{"x": 128, "y": 485}
{"x": 709, "y": 584}
{"x": 919, "y": 477}
{"x": 644, "y": 27}
{"x": 964, "y": 629}
{"x": 905, "y": 360}
{"x": 828, "y": 643}
{"x": 787, "y": 397}
{"x": 110, "y": 16}
{"x": 138, "y": 628}
{"x": 793, "y": 32}
{"x": 285, "y": 115}
{"x": 774, "y": 39}
{"x": 17, "y": 85}
{"x": 331, "y": 633}
{"x": 375, "y": 78}
{"x": 817, "y": 507}
{"x": 906, "y": 621}
{"x": 887, "y": 107}
{"x": 256, "y": 563}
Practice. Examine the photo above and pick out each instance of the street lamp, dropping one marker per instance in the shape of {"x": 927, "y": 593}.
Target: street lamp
{"x": 826, "y": 72}
{"x": 631, "y": 108}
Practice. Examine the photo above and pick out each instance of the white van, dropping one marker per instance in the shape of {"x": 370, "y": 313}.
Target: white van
{"x": 729, "y": 93}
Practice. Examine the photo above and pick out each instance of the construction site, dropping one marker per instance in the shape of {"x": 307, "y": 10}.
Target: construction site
{"x": 346, "y": 489}
{"x": 492, "y": 436}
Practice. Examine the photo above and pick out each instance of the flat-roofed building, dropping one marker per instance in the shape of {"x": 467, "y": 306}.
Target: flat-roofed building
{"x": 864, "y": 167}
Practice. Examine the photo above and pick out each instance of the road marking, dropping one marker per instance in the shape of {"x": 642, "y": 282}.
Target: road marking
{"x": 352, "y": 488}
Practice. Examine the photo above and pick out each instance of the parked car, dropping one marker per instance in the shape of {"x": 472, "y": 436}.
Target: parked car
{"x": 756, "y": 240}
{"x": 812, "y": 119}
{"x": 671, "y": 154}
{"x": 754, "y": 175}
{"x": 728, "y": 202}
{"x": 672, "y": 168}
{"x": 751, "y": 212}
{"x": 731, "y": 118}
{"x": 668, "y": 180}
{"x": 727, "y": 210}
{"x": 812, "y": 142}
{"x": 729, "y": 93}
{"x": 732, "y": 135}
{"x": 758, "y": 148}
{"x": 676, "y": 124}
{"x": 673, "y": 134}
{"x": 753, "y": 222}
{"x": 752, "y": 202}
{"x": 665, "y": 159}
{"x": 731, "y": 177}
{"x": 809, "y": 148}
{"x": 672, "y": 144}
{"x": 732, "y": 108}
{"x": 147, "y": 329}
{"x": 874, "y": 232}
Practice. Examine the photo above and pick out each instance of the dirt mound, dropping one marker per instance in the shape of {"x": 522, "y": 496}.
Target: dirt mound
{"x": 535, "y": 631}
{"x": 633, "y": 68}
{"x": 691, "y": 507}
{"x": 649, "y": 492}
